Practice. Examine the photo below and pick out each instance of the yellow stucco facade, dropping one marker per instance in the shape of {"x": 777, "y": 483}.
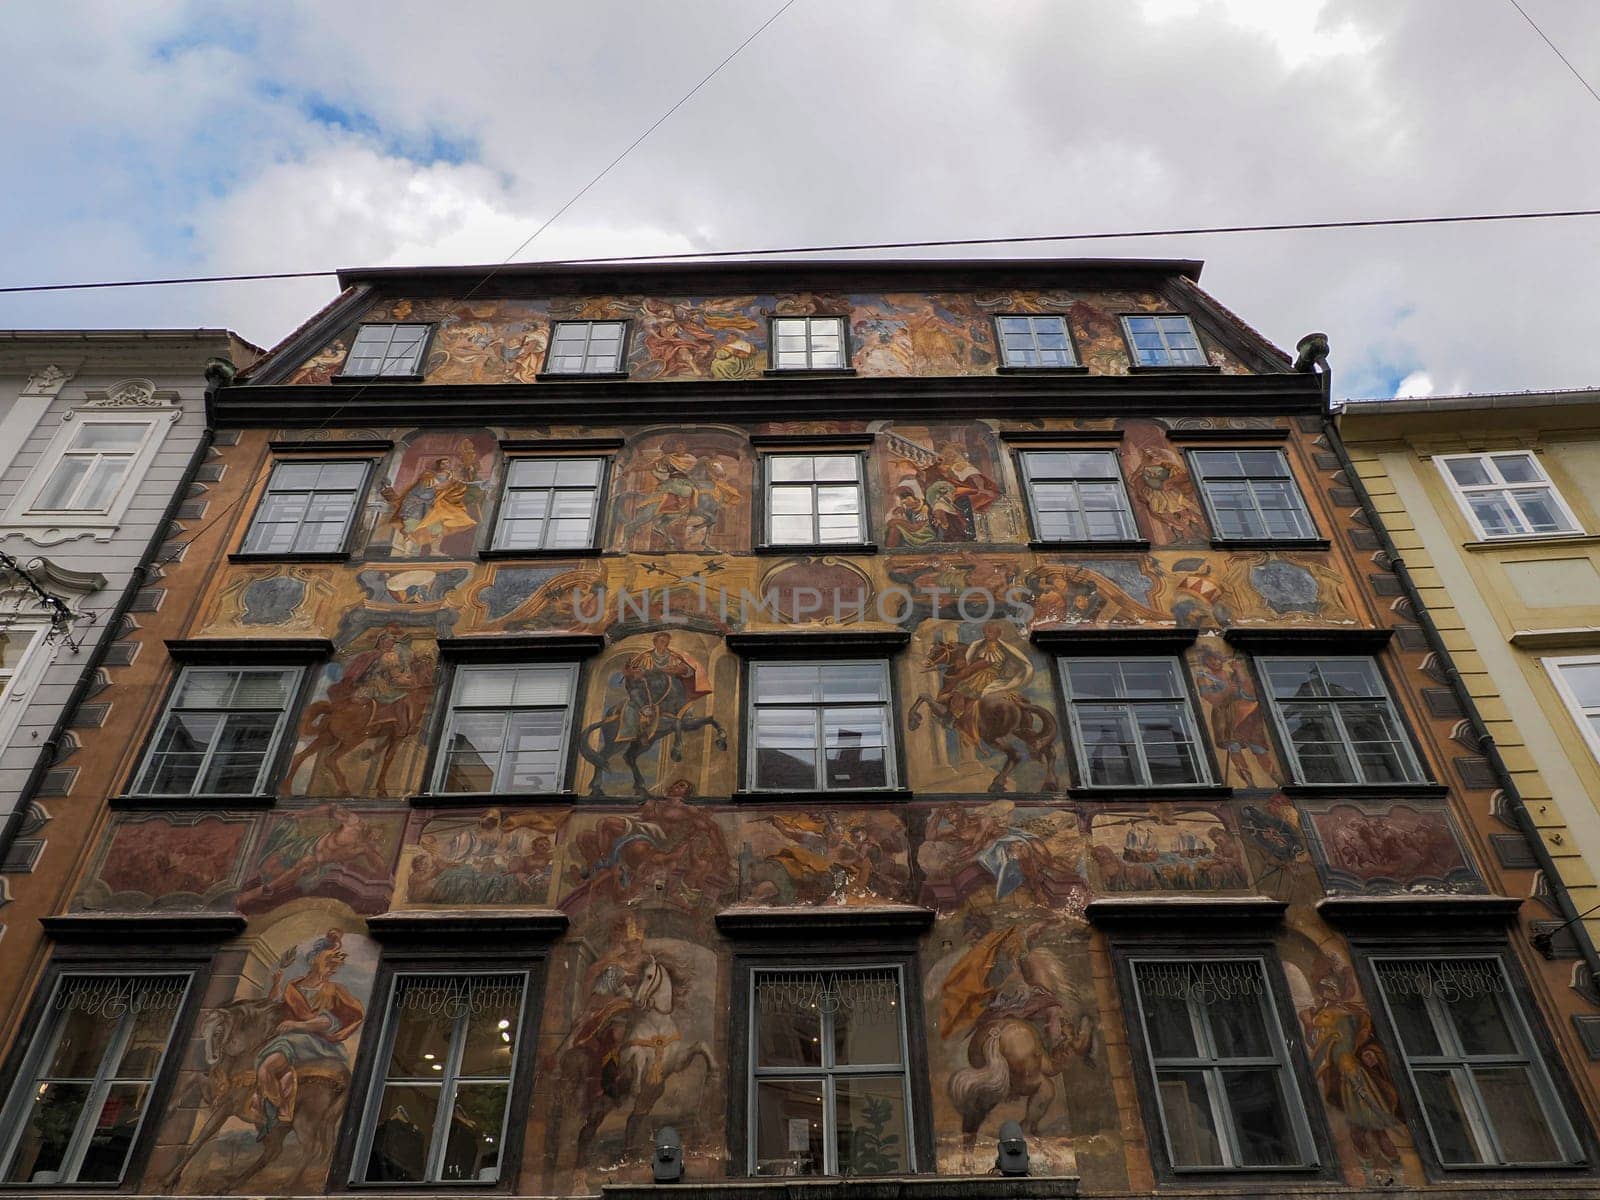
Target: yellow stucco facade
{"x": 1519, "y": 611}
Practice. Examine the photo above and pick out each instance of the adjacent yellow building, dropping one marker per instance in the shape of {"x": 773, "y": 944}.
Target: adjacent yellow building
{"x": 1494, "y": 503}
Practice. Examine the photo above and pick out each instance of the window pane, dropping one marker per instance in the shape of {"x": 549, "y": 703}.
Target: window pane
{"x": 788, "y": 1021}
{"x": 1239, "y": 1024}
{"x": 1454, "y": 1135}
{"x": 578, "y": 472}
{"x": 1518, "y": 468}
{"x": 147, "y": 1040}
{"x": 870, "y": 1119}
{"x": 100, "y": 485}
{"x": 1167, "y": 1023}
{"x": 856, "y": 739}
{"x": 791, "y": 468}
{"x": 783, "y": 683}
{"x": 58, "y": 491}
{"x": 866, "y": 1024}
{"x": 1468, "y": 472}
{"x": 472, "y": 1147}
{"x": 240, "y": 751}
{"x": 1168, "y": 744}
{"x": 542, "y": 685}
{"x": 1539, "y": 508}
{"x": 49, "y": 1122}
{"x": 1260, "y": 1118}
{"x": 484, "y": 687}
{"x": 1108, "y": 744}
{"x": 495, "y": 1014}
{"x": 85, "y": 1037}
{"x": 533, "y": 472}
{"x": 786, "y": 748}
{"x": 1514, "y": 1111}
{"x": 1293, "y": 677}
{"x": 98, "y": 436}
{"x": 1191, "y": 1127}
{"x": 791, "y": 530}
{"x": 1584, "y": 680}
{"x": 1218, "y": 464}
{"x": 1322, "y": 754}
{"x": 850, "y": 682}
{"x": 347, "y": 476}
{"x": 1480, "y": 1022}
{"x": 402, "y": 1134}
{"x": 787, "y": 501}
{"x": 114, "y": 1128}
{"x": 837, "y": 467}
{"x": 422, "y": 1033}
{"x": 1495, "y": 514}
{"x": 1150, "y": 679}
{"x": 533, "y": 751}
{"x": 789, "y": 1133}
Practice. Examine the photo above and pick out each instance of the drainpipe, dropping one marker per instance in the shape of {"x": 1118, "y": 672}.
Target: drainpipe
{"x": 1458, "y": 687}
{"x": 219, "y": 372}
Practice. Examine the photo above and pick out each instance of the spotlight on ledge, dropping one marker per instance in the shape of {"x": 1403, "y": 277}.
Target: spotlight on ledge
{"x": 1012, "y": 1158}
{"x": 667, "y": 1161}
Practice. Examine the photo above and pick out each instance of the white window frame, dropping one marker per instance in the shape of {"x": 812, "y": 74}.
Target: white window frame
{"x": 1453, "y": 1056}
{"x": 1130, "y": 526}
{"x": 16, "y": 689}
{"x": 1202, "y": 758}
{"x": 1033, "y": 320}
{"x": 1212, "y": 1065}
{"x": 441, "y": 766}
{"x": 57, "y": 525}
{"x": 508, "y": 488}
{"x": 1485, "y": 458}
{"x": 827, "y": 1072}
{"x": 857, "y": 482}
{"x": 1554, "y": 667}
{"x": 811, "y": 325}
{"x": 418, "y": 363}
{"x": 1166, "y": 347}
{"x": 269, "y": 759}
{"x": 43, "y": 1047}
{"x": 1413, "y": 760}
{"x": 449, "y": 1081}
{"x": 617, "y": 366}
{"x": 820, "y": 779}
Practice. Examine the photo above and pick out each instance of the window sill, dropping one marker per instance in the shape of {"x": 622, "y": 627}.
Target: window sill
{"x": 1091, "y": 544}
{"x": 928, "y": 1186}
{"x": 348, "y": 379}
{"x": 581, "y": 376}
{"x": 822, "y": 796}
{"x": 1533, "y": 539}
{"x": 817, "y": 548}
{"x": 564, "y": 552}
{"x": 488, "y": 799}
{"x": 204, "y": 800}
{"x": 1075, "y": 369}
{"x": 1186, "y": 791}
{"x": 1173, "y": 369}
{"x": 328, "y": 556}
{"x": 1415, "y": 791}
{"x": 1270, "y": 544}
{"x": 840, "y": 372}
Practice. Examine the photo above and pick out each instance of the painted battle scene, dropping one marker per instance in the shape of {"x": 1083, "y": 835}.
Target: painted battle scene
{"x": 1388, "y": 847}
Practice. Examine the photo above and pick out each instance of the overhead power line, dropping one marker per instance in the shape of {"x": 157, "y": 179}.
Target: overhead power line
{"x": 687, "y": 255}
{"x": 1564, "y": 59}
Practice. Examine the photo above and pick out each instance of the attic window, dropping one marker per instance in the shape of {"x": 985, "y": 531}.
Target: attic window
{"x": 387, "y": 350}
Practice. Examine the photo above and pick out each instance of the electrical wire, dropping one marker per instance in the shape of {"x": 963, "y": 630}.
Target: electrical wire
{"x": 1565, "y": 60}
{"x": 843, "y": 247}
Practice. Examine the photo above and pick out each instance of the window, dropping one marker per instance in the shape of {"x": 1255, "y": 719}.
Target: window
{"x": 1163, "y": 341}
{"x": 440, "y": 1098}
{"x": 1251, "y": 494}
{"x": 1077, "y": 496}
{"x": 219, "y": 733}
{"x": 91, "y": 468}
{"x": 822, "y": 725}
{"x": 808, "y": 343}
{"x": 829, "y": 1093}
{"x": 549, "y": 504}
{"x": 1578, "y": 682}
{"x": 1480, "y": 1082}
{"x": 1507, "y": 495}
{"x": 77, "y": 1114}
{"x": 1131, "y": 722}
{"x": 507, "y": 729}
{"x": 1035, "y": 342}
{"x": 306, "y": 509}
{"x": 586, "y": 348}
{"x": 387, "y": 350}
{"x": 814, "y": 499}
{"x": 24, "y": 655}
{"x": 1338, "y": 721}
{"x": 1223, "y": 1084}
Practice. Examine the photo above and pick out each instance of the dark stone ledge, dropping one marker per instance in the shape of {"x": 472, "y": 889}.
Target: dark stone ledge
{"x": 1146, "y": 914}
{"x": 880, "y": 1187}
{"x": 1388, "y": 914}
{"x": 560, "y": 444}
{"x": 836, "y": 920}
{"x": 1274, "y": 433}
{"x": 503, "y": 926}
{"x": 249, "y": 650}
{"x": 519, "y": 645}
{"x": 144, "y": 928}
{"x": 790, "y": 643}
{"x": 1271, "y": 543}
{"x": 1102, "y": 639}
{"x": 1155, "y": 795}
{"x": 331, "y": 446}
{"x": 1302, "y": 639}
{"x": 1051, "y": 437}
{"x": 788, "y": 441}
{"x": 1425, "y": 790}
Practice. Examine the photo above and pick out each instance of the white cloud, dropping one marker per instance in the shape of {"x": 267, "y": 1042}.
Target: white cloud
{"x": 1415, "y": 386}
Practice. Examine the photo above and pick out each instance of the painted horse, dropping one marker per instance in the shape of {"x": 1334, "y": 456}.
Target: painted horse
{"x": 657, "y": 707}
{"x": 340, "y": 725}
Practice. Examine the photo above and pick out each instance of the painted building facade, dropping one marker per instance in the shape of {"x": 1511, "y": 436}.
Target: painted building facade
{"x": 1497, "y": 498}
{"x": 95, "y": 427}
{"x": 828, "y": 710}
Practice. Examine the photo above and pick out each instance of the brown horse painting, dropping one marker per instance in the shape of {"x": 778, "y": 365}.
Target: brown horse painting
{"x": 343, "y": 723}
{"x": 995, "y": 720}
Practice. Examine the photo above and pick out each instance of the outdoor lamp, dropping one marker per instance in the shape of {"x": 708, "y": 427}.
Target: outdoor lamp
{"x": 1013, "y": 1156}
{"x": 667, "y": 1161}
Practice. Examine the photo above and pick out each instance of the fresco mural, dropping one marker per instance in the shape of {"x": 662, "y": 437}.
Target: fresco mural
{"x": 330, "y": 850}
{"x": 824, "y": 856}
{"x": 1161, "y": 489}
{"x": 435, "y": 499}
{"x": 687, "y": 489}
{"x": 1165, "y": 848}
{"x": 1387, "y": 846}
{"x": 941, "y": 483}
{"x": 668, "y": 853}
{"x": 517, "y": 599}
{"x": 1002, "y": 855}
{"x": 482, "y": 857}
{"x": 1234, "y": 715}
{"x": 287, "y": 599}
{"x": 263, "y": 1111}
{"x": 168, "y": 860}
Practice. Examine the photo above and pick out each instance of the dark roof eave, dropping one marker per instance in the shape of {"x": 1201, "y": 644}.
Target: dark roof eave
{"x": 1479, "y": 402}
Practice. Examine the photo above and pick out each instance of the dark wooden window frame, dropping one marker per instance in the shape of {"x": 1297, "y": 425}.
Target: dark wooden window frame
{"x": 512, "y": 451}
{"x": 1136, "y": 367}
{"x": 621, "y": 371}
{"x": 416, "y": 376}
{"x": 1075, "y": 367}
{"x": 1108, "y": 443}
{"x": 845, "y": 342}
{"x": 857, "y": 446}
{"x": 326, "y": 454}
{"x": 1312, "y": 541}
{"x": 452, "y": 942}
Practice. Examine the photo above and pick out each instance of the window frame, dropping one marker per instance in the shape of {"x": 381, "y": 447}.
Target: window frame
{"x": 102, "y": 523}
{"x": 31, "y": 1049}
{"x": 1552, "y": 1085}
{"x": 1286, "y": 746}
{"x": 1033, "y": 336}
{"x": 1485, "y": 458}
{"x": 1133, "y": 538}
{"x": 893, "y": 768}
{"x": 419, "y": 366}
{"x": 269, "y": 774}
{"x": 16, "y": 691}
{"x": 1133, "y": 349}
{"x": 863, "y": 516}
{"x": 1202, "y": 747}
{"x": 512, "y": 658}
{"x": 597, "y": 528}
{"x": 845, "y": 354}
{"x": 619, "y": 370}
{"x": 1266, "y": 538}
{"x": 358, "y": 505}
{"x": 1553, "y": 666}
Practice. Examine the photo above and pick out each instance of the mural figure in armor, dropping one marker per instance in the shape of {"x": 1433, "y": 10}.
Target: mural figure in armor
{"x": 1238, "y": 726}
{"x": 676, "y": 497}
{"x": 937, "y": 490}
{"x": 981, "y": 697}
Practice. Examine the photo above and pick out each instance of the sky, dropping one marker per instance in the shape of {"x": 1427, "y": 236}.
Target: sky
{"x": 163, "y": 139}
